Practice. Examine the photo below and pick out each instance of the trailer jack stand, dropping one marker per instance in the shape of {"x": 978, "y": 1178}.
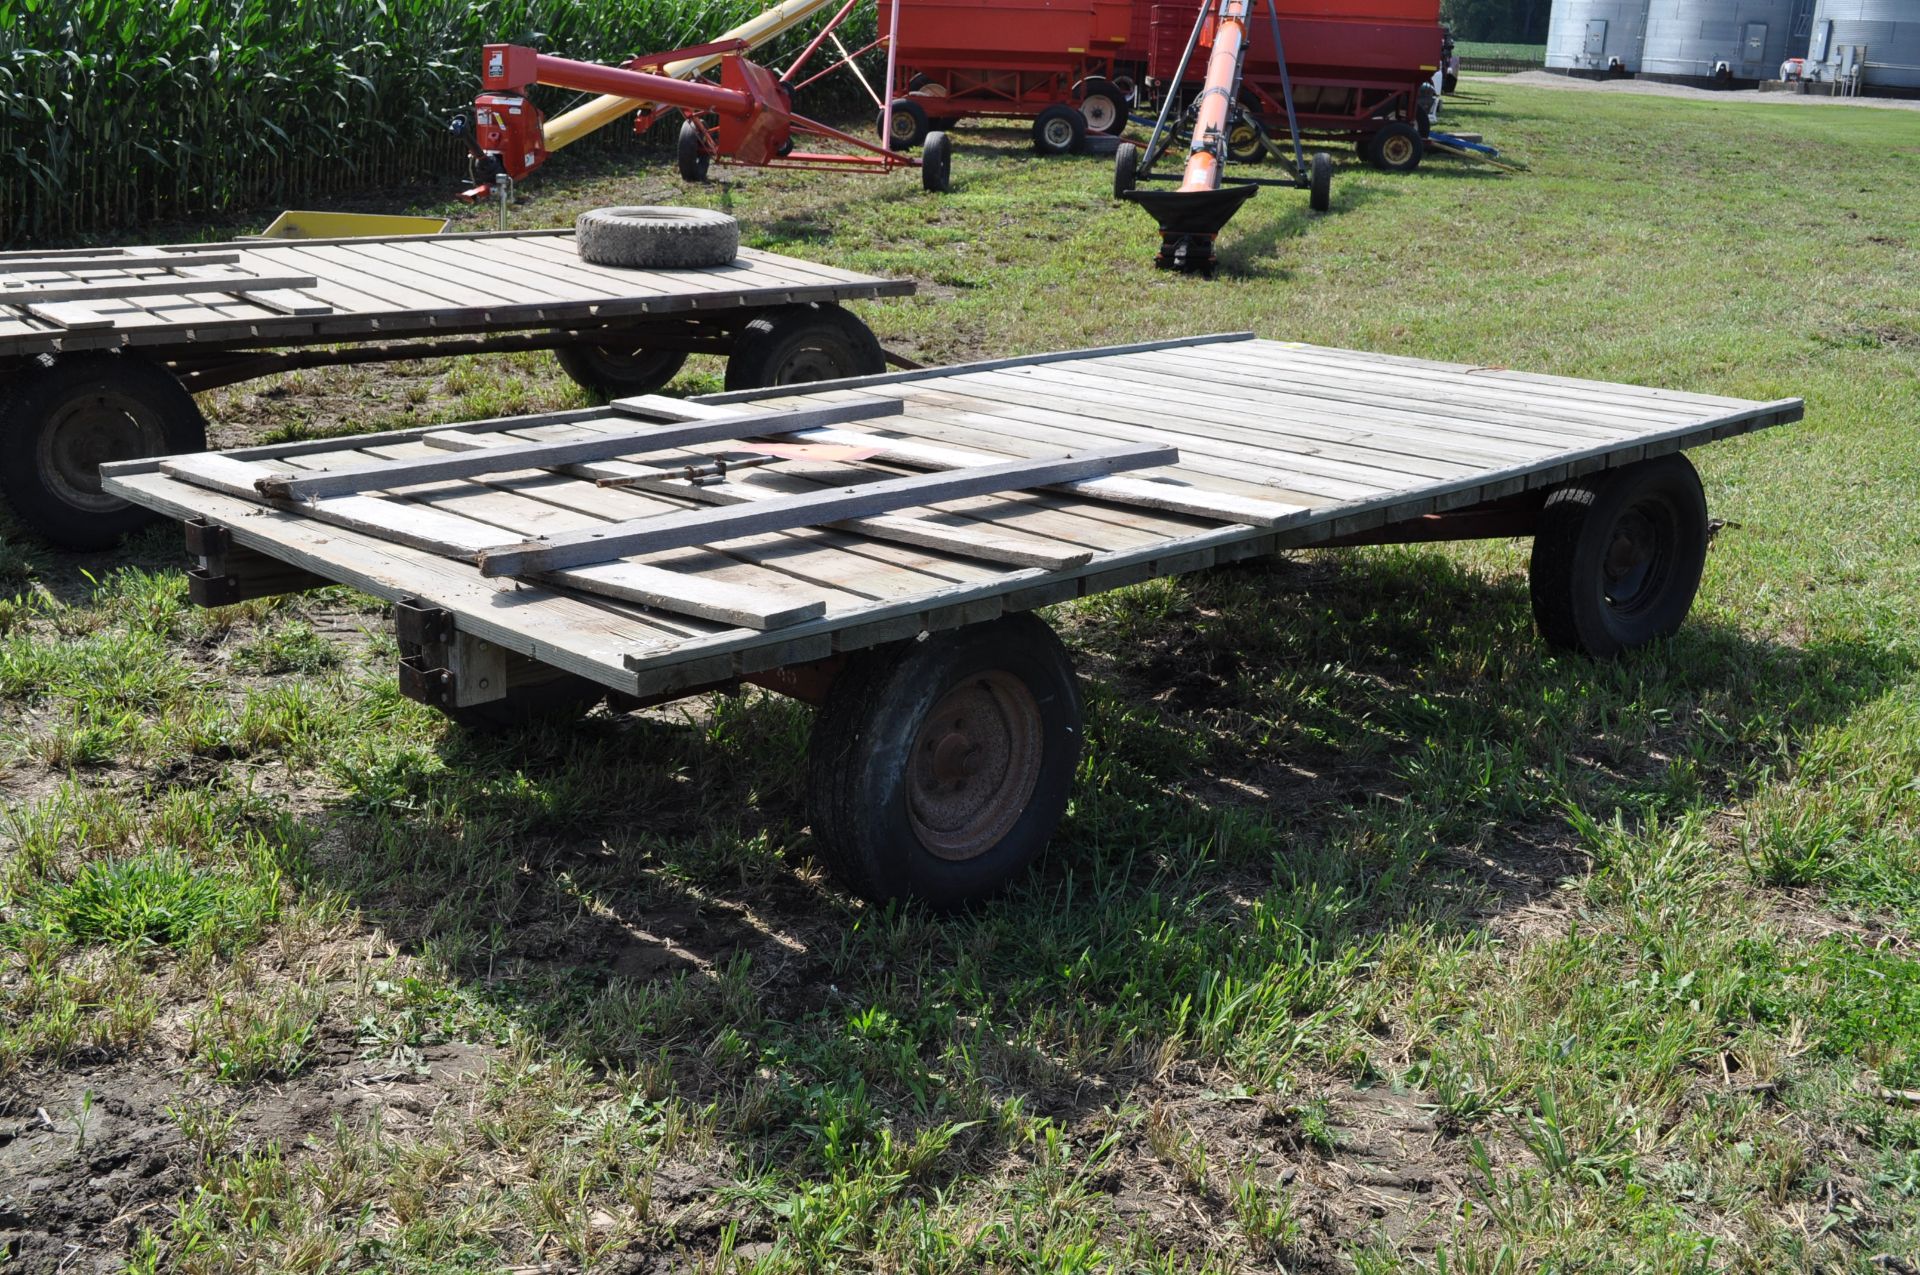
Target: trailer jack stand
{"x": 1189, "y": 220}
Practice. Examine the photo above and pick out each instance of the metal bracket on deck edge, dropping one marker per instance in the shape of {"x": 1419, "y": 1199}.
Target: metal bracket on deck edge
{"x": 440, "y": 665}
{"x": 226, "y": 573}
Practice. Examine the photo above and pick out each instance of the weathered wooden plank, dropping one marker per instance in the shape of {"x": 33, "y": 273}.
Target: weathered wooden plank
{"x": 75, "y": 316}
{"x": 40, "y": 294}
{"x": 373, "y": 477}
{"x": 114, "y": 259}
{"x": 285, "y": 301}
{"x": 1242, "y": 504}
{"x": 959, "y": 369}
{"x": 970, "y": 540}
{"x": 710, "y": 526}
{"x": 436, "y": 531}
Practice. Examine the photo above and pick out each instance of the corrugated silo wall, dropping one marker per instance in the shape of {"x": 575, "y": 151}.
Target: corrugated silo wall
{"x": 1890, "y": 32}
{"x": 1691, "y": 40}
{"x": 1592, "y": 36}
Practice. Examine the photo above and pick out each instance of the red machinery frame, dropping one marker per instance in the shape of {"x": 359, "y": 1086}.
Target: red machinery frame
{"x": 745, "y": 119}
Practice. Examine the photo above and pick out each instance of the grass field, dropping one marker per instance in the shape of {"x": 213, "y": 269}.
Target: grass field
{"x": 1378, "y": 937}
{"x": 1494, "y": 55}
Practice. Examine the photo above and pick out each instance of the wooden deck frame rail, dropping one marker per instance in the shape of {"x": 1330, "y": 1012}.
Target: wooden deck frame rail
{"x": 712, "y": 525}
{"x": 494, "y": 460}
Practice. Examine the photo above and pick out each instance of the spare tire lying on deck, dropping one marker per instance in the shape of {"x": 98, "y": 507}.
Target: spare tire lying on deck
{"x": 657, "y": 238}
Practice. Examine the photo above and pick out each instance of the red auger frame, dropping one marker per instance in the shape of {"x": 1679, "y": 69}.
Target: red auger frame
{"x": 747, "y": 118}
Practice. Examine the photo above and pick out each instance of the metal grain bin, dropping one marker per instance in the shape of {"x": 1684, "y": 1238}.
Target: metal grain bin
{"x": 1880, "y": 37}
{"x": 1723, "y": 41}
{"x": 1596, "y": 36}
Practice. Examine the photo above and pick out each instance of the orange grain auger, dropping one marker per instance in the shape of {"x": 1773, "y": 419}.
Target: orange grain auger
{"x": 1192, "y": 215}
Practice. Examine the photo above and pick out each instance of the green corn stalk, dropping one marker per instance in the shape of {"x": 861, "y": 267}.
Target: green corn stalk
{"x": 116, "y": 113}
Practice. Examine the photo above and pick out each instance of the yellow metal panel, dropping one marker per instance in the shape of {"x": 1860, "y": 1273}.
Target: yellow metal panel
{"x": 343, "y": 225}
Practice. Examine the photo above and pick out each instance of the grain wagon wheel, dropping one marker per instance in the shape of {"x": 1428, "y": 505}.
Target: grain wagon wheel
{"x": 64, "y": 416}
{"x": 940, "y": 767}
{"x": 1396, "y": 148}
{"x": 798, "y": 344}
{"x": 909, "y": 124}
{"x": 1244, "y": 145}
{"x": 1617, "y": 557}
{"x": 1104, "y": 107}
{"x": 1059, "y": 130}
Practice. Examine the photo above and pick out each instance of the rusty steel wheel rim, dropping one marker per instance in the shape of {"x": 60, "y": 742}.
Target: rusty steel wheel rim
{"x": 86, "y": 433}
{"x": 1397, "y": 149}
{"x": 974, "y": 765}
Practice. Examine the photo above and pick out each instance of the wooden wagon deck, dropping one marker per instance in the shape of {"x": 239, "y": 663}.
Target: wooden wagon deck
{"x": 1278, "y": 444}
{"x": 291, "y": 292}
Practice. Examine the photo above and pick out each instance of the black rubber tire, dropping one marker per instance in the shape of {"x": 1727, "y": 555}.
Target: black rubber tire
{"x": 657, "y": 238}
{"x": 1244, "y": 145}
{"x": 62, "y": 416}
{"x": 1320, "y": 182}
{"x": 1103, "y": 107}
{"x": 799, "y": 344}
{"x": 917, "y": 125}
{"x": 1642, "y": 527}
{"x": 611, "y": 372}
{"x": 1059, "y": 130}
{"x": 1126, "y": 168}
{"x": 1396, "y": 147}
{"x": 550, "y": 703}
{"x": 692, "y": 153}
{"x": 1449, "y": 82}
{"x": 936, "y": 163}
{"x": 1363, "y": 147}
{"x": 869, "y": 757}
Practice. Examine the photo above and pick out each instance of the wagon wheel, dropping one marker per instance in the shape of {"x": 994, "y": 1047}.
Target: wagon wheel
{"x": 1244, "y": 145}
{"x": 1320, "y": 182}
{"x": 1059, "y": 130}
{"x": 66, "y": 415}
{"x": 793, "y": 345}
{"x": 1396, "y": 148}
{"x": 693, "y": 155}
{"x": 940, "y": 767}
{"x": 1126, "y": 169}
{"x": 936, "y": 164}
{"x": 1617, "y": 557}
{"x": 616, "y": 371}
{"x": 909, "y": 125}
{"x": 1104, "y": 107}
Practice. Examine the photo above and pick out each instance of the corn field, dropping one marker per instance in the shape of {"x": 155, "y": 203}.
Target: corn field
{"x": 115, "y": 113}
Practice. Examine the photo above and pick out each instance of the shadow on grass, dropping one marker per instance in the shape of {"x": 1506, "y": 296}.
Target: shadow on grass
{"x": 1287, "y": 761}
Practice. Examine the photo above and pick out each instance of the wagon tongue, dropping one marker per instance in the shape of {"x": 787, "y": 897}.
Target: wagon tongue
{"x": 1189, "y": 219}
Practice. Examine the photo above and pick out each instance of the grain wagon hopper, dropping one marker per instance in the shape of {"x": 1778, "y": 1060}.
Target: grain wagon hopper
{"x": 1049, "y": 61}
{"x": 1360, "y": 72}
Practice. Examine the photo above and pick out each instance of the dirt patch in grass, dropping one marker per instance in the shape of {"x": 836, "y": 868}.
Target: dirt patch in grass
{"x": 90, "y": 1156}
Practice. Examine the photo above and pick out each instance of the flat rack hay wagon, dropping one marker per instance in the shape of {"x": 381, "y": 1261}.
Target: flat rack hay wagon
{"x": 876, "y": 546}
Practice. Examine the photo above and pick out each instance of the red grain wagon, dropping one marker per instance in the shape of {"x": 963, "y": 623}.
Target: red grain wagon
{"x": 1050, "y": 61}
{"x": 1362, "y": 71}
